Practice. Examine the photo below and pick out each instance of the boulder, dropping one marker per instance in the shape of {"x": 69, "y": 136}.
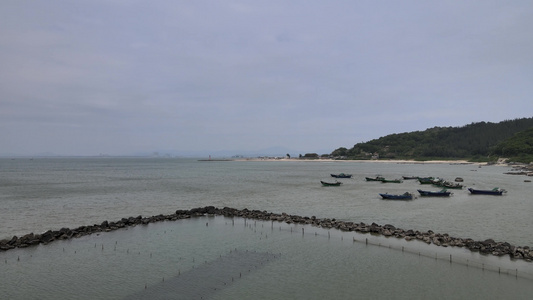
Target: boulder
{"x": 47, "y": 237}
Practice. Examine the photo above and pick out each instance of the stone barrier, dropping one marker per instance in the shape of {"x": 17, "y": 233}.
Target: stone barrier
{"x": 488, "y": 246}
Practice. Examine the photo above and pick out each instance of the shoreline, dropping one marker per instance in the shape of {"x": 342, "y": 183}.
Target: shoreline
{"x": 398, "y": 161}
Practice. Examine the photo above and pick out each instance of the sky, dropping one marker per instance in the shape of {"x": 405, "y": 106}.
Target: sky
{"x": 122, "y": 77}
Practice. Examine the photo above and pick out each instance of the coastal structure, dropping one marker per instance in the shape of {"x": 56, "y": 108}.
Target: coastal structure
{"x": 488, "y": 246}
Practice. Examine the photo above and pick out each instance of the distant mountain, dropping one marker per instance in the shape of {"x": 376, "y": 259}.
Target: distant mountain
{"x": 476, "y": 141}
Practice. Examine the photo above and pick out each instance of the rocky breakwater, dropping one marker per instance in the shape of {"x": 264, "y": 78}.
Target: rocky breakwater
{"x": 489, "y": 246}
{"x": 49, "y": 236}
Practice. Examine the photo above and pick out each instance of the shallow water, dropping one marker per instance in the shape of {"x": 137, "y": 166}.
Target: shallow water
{"x": 41, "y": 194}
{"x": 269, "y": 260}
{"x": 52, "y": 193}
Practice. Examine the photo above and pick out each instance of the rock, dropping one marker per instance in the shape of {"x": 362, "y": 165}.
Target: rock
{"x": 389, "y": 227}
{"x": 13, "y": 241}
{"x": 47, "y": 237}
{"x": 488, "y": 243}
{"x": 5, "y": 246}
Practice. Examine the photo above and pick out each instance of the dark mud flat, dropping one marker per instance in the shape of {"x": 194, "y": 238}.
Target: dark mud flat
{"x": 207, "y": 279}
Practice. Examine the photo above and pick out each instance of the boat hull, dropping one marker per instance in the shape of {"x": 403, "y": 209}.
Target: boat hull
{"x": 434, "y": 194}
{"x": 497, "y": 192}
{"x": 425, "y": 180}
{"x": 341, "y": 175}
{"x": 374, "y": 179}
{"x": 406, "y": 196}
{"x": 324, "y": 183}
{"x": 391, "y": 181}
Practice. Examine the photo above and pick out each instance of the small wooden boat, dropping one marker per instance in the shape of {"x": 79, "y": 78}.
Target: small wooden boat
{"x": 459, "y": 179}
{"x": 377, "y": 178}
{"x": 451, "y": 185}
{"x": 336, "y": 183}
{"x": 494, "y": 191}
{"x": 409, "y": 177}
{"x": 425, "y": 180}
{"x": 404, "y": 196}
{"x": 447, "y": 184}
{"x": 441, "y": 193}
{"x": 341, "y": 175}
{"x": 391, "y": 180}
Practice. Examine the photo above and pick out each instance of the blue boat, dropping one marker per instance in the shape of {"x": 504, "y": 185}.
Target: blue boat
{"x": 404, "y": 196}
{"x": 495, "y": 191}
{"x": 441, "y": 193}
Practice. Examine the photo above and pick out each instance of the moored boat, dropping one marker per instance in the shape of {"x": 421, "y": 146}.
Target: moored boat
{"x": 494, "y": 191}
{"x": 425, "y": 180}
{"x": 377, "y": 178}
{"x": 409, "y": 177}
{"x": 441, "y": 193}
{"x": 336, "y": 183}
{"x": 341, "y": 175}
{"x": 447, "y": 184}
{"x": 404, "y": 196}
{"x": 391, "y": 180}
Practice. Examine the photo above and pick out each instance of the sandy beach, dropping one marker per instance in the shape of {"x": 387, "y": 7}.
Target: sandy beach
{"x": 453, "y": 162}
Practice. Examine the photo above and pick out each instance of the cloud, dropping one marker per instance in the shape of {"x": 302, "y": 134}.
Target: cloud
{"x": 124, "y": 76}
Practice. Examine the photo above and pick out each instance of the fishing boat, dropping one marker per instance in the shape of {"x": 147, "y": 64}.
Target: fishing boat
{"x": 409, "y": 177}
{"x": 404, "y": 196}
{"x": 441, "y": 193}
{"x": 494, "y": 191}
{"x": 391, "y": 181}
{"x": 377, "y": 178}
{"x": 425, "y": 180}
{"x": 447, "y": 184}
{"x": 341, "y": 175}
{"x": 336, "y": 183}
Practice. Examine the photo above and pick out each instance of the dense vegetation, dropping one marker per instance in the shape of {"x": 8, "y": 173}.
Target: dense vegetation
{"x": 518, "y": 148}
{"x": 482, "y": 141}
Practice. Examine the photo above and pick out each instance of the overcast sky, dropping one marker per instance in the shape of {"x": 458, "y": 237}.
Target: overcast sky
{"x": 125, "y": 76}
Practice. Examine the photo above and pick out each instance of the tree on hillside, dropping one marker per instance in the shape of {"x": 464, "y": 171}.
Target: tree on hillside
{"x": 472, "y": 140}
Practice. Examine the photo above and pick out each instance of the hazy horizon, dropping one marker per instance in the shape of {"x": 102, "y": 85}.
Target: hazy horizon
{"x": 119, "y": 77}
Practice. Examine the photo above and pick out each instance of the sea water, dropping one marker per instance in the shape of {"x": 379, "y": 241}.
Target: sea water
{"x": 288, "y": 261}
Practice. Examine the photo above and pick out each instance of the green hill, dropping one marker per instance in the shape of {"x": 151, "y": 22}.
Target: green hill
{"x": 476, "y": 142}
{"x": 518, "y": 148}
